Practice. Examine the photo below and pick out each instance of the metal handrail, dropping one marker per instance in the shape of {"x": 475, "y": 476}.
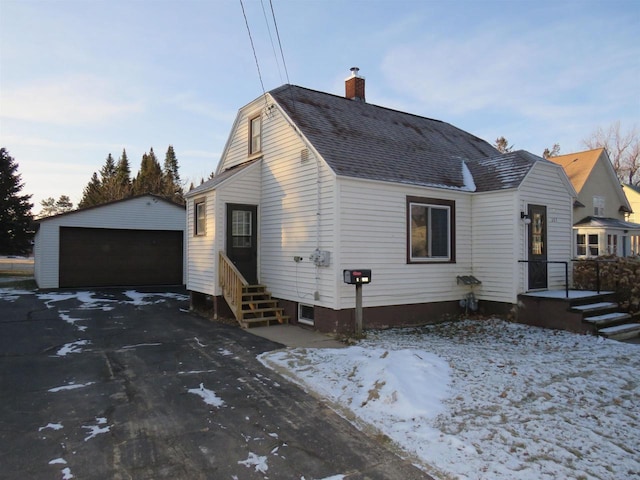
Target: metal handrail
{"x": 598, "y": 262}
{"x": 566, "y": 271}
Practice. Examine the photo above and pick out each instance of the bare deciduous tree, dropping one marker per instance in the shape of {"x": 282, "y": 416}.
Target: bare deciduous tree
{"x": 623, "y": 149}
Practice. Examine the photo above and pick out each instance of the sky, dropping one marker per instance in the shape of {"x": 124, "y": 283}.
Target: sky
{"x": 81, "y": 79}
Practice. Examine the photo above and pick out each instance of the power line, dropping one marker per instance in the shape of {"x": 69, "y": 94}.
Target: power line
{"x": 273, "y": 14}
{"x": 273, "y": 48}
{"x": 253, "y": 47}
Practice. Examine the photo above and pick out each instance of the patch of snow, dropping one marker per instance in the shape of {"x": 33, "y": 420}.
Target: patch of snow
{"x": 467, "y": 178}
{"x": 193, "y": 372}
{"x": 57, "y": 461}
{"x": 86, "y": 299}
{"x": 71, "y": 386}
{"x": 66, "y": 473}
{"x": 127, "y": 347}
{"x": 52, "y": 426}
{"x": 95, "y": 430}
{"x": 488, "y": 400}
{"x": 225, "y": 352}
{"x": 257, "y": 461}
{"x": 200, "y": 344}
{"x": 11, "y": 294}
{"x": 209, "y": 397}
{"x": 141, "y": 299}
{"x": 73, "y": 347}
{"x": 63, "y": 314}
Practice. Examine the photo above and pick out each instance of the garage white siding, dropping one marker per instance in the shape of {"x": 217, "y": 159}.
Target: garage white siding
{"x": 139, "y": 213}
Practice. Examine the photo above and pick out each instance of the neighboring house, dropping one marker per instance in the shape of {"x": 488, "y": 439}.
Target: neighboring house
{"x": 632, "y": 192}
{"x": 132, "y": 242}
{"x": 310, "y": 184}
{"x": 601, "y": 211}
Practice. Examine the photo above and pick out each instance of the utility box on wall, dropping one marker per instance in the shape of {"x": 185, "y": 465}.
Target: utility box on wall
{"x": 357, "y": 277}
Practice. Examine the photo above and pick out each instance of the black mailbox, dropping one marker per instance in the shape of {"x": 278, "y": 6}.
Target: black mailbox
{"x": 355, "y": 277}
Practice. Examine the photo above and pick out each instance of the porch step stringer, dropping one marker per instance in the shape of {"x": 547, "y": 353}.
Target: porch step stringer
{"x": 259, "y": 309}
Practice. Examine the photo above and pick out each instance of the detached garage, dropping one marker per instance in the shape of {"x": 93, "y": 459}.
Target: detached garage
{"x": 138, "y": 241}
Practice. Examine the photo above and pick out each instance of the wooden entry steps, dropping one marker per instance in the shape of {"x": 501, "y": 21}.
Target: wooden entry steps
{"x": 259, "y": 309}
{"x": 606, "y": 318}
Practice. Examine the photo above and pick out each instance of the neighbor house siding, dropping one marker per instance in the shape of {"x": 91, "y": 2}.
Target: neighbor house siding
{"x": 141, "y": 213}
{"x": 601, "y": 183}
{"x": 373, "y": 235}
{"x": 496, "y": 245}
{"x": 544, "y": 185}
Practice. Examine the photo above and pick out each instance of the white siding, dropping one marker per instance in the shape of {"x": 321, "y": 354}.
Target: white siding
{"x": 142, "y": 213}
{"x": 296, "y": 217}
{"x": 495, "y": 227}
{"x": 201, "y": 251}
{"x": 373, "y": 234}
{"x": 544, "y": 185}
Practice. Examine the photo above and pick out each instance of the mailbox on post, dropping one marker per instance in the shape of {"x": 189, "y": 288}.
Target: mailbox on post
{"x": 358, "y": 278}
{"x": 355, "y": 277}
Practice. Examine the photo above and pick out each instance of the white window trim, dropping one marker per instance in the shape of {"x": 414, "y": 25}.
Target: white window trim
{"x": 448, "y": 257}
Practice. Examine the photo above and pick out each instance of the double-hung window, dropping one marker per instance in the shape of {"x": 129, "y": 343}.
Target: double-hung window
{"x": 199, "y": 218}
{"x": 255, "y": 135}
{"x": 587, "y": 245}
{"x": 431, "y": 230}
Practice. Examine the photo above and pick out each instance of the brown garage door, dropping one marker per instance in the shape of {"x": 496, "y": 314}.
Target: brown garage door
{"x": 97, "y": 257}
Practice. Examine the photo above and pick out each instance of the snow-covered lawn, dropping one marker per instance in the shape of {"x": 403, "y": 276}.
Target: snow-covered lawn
{"x": 487, "y": 399}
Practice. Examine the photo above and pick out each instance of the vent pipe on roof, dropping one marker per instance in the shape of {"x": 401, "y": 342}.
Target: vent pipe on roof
{"x": 354, "y": 86}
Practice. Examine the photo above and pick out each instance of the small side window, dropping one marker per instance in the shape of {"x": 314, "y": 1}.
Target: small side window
{"x": 200, "y": 219}
{"x": 255, "y": 135}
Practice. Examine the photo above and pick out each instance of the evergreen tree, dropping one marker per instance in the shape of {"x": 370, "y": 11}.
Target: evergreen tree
{"x": 123, "y": 175}
{"x": 171, "y": 178}
{"x": 92, "y": 194}
{"x": 51, "y": 206}
{"x": 149, "y": 178}
{"x": 15, "y": 210}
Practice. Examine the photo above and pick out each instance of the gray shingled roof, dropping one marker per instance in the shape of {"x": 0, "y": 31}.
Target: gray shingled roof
{"x": 218, "y": 179}
{"x": 502, "y": 171}
{"x": 362, "y": 140}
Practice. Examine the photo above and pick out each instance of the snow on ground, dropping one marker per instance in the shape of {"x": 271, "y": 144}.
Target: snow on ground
{"x": 480, "y": 400}
{"x": 208, "y": 396}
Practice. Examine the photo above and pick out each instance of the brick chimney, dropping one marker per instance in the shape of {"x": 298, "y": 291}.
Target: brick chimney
{"x": 354, "y": 86}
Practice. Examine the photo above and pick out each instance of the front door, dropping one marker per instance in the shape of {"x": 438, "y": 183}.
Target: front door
{"x": 537, "y": 247}
{"x": 242, "y": 244}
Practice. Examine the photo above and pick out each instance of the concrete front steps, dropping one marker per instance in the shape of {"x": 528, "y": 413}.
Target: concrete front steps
{"x": 606, "y": 318}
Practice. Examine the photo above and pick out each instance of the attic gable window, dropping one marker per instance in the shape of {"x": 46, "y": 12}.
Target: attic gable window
{"x": 430, "y": 230}
{"x": 255, "y": 135}
{"x": 598, "y": 206}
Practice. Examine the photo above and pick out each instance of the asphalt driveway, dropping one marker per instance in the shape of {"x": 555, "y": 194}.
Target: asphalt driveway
{"x": 124, "y": 385}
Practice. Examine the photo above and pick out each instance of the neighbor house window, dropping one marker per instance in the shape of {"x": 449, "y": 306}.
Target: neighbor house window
{"x": 587, "y": 245}
{"x": 612, "y": 244}
{"x": 255, "y": 135}
{"x": 430, "y": 228}
{"x": 200, "y": 219}
{"x": 241, "y": 228}
{"x": 598, "y": 206}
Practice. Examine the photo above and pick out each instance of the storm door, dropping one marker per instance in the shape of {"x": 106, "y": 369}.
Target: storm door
{"x": 242, "y": 244}
{"x": 537, "y": 247}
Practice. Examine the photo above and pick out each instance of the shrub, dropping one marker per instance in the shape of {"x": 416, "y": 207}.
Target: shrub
{"x": 618, "y": 274}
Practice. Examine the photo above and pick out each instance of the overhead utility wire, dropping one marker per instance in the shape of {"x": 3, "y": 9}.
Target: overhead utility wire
{"x": 273, "y": 47}
{"x": 273, "y": 14}
{"x": 254, "y": 49}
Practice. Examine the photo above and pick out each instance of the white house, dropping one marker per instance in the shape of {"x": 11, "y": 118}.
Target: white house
{"x": 131, "y": 242}
{"x": 311, "y": 184}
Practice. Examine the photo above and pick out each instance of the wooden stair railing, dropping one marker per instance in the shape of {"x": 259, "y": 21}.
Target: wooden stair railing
{"x": 252, "y": 305}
